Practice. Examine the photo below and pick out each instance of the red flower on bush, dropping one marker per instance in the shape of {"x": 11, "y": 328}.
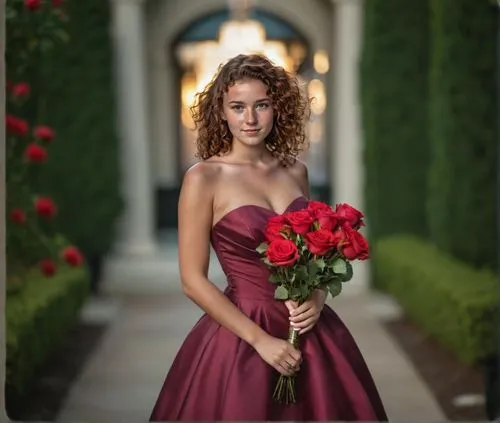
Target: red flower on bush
{"x": 22, "y": 89}
{"x": 48, "y": 267}
{"x": 72, "y": 256}
{"x": 18, "y": 216}
{"x": 35, "y": 153}
{"x": 282, "y": 252}
{"x": 45, "y": 207}
{"x": 33, "y": 4}
{"x": 15, "y": 125}
{"x": 44, "y": 133}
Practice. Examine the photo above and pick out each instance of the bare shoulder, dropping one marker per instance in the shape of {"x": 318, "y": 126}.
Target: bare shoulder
{"x": 300, "y": 173}
{"x": 299, "y": 169}
{"x": 201, "y": 177}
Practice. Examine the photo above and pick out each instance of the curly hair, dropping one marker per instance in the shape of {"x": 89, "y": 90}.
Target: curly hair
{"x": 291, "y": 109}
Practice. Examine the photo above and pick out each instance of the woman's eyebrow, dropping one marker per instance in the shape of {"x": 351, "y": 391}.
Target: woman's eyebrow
{"x": 256, "y": 101}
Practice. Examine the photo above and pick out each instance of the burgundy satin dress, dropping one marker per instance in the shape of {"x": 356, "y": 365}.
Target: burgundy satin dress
{"x": 217, "y": 376}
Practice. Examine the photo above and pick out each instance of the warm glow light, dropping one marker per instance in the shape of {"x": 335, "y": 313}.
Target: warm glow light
{"x": 321, "y": 62}
{"x": 241, "y": 36}
{"x": 316, "y": 89}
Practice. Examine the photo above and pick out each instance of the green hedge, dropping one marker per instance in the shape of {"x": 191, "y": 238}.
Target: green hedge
{"x": 394, "y": 100}
{"x": 463, "y": 130}
{"x": 83, "y": 171}
{"x": 448, "y": 299}
{"x": 38, "y": 317}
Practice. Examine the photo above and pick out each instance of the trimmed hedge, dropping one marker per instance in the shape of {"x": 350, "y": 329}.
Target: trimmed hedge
{"x": 83, "y": 170}
{"x": 394, "y": 99}
{"x": 453, "y": 302}
{"x": 463, "y": 130}
{"x": 38, "y": 317}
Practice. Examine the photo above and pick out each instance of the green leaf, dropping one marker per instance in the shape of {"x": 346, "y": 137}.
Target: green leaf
{"x": 313, "y": 269}
{"x": 339, "y": 266}
{"x": 335, "y": 288}
{"x": 348, "y": 274}
{"x": 267, "y": 262}
{"x": 274, "y": 278}
{"x": 61, "y": 35}
{"x": 281, "y": 293}
{"x": 262, "y": 248}
{"x": 301, "y": 273}
{"x": 321, "y": 263}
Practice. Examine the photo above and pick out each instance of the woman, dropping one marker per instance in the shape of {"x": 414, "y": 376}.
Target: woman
{"x": 250, "y": 122}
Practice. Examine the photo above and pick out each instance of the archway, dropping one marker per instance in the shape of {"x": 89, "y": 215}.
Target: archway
{"x": 170, "y": 27}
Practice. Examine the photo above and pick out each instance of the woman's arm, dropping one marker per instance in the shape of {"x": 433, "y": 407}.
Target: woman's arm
{"x": 195, "y": 223}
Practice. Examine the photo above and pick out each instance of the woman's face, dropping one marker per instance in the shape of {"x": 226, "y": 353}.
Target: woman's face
{"x": 248, "y": 111}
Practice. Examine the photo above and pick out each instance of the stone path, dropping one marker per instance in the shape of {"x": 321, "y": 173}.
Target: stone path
{"x": 150, "y": 317}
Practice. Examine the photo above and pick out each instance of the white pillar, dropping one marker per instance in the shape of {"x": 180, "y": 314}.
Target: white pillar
{"x": 347, "y": 154}
{"x": 165, "y": 122}
{"x": 137, "y": 226}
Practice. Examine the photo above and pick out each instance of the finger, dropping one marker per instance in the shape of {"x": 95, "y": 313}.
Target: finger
{"x": 289, "y": 305}
{"x": 283, "y": 369}
{"x": 303, "y": 308}
{"x": 306, "y": 329}
{"x": 307, "y": 322}
{"x": 296, "y": 356}
{"x": 291, "y": 367}
{"x": 303, "y": 316}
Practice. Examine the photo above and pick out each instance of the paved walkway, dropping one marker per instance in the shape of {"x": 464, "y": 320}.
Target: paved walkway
{"x": 149, "y": 318}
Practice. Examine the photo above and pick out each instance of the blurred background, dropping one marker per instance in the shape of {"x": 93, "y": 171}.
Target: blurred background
{"x": 404, "y": 126}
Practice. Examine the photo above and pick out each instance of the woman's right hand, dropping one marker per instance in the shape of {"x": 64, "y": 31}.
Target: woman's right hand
{"x": 279, "y": 354}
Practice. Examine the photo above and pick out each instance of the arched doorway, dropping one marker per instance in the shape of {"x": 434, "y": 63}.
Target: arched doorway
{"x": 290, "y": 43}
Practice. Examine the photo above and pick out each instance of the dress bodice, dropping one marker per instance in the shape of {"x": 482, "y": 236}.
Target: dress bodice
{"x": 235, "y": 238}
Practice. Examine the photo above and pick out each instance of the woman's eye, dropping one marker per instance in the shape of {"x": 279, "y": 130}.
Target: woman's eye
{"x": 263, "y": 106}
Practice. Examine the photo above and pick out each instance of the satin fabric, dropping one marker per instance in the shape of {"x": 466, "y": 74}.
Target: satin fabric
{"x": 216, "y": 376}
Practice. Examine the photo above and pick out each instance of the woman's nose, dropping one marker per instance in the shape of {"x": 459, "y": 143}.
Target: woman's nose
{"x": 251, "y": 117}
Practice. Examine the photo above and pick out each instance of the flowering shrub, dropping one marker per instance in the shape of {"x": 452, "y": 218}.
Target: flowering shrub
{"x": 33, "y": 28}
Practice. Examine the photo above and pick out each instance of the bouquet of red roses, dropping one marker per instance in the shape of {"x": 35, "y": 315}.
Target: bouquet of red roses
{"x": 310, "y": 249}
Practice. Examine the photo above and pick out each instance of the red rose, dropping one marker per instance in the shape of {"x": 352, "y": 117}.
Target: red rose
{"x": 33, "y": 4}
{"x": 15, "y": 125}
{"x": 35, "y": 153}
{"x": 44, "y": 133}
{"x": 21, "y": 89}
{"x": 327, "y": 219}
{"x": 72, "y": 256}
{"x": 347, "y": 213}
{"x": 18, "y": 216}
{"x": 321, "y": 241}
{"x": 45, "y": 207}
{"x": 47, "y": 267}
{"x": 355, "y": 245}
{"x": 315, "y": 206}
{"x": 282, "y": 252}
{"x": 300, "y": 221}
{"x": 275, "y": 226}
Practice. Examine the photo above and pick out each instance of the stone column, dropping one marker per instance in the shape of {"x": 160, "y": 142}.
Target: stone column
{"x": 137, "y": 226}
{"x": 347, "y": 152}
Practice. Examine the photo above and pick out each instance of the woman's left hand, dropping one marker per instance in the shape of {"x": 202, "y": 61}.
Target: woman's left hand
{"x": 305, "y": 316}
